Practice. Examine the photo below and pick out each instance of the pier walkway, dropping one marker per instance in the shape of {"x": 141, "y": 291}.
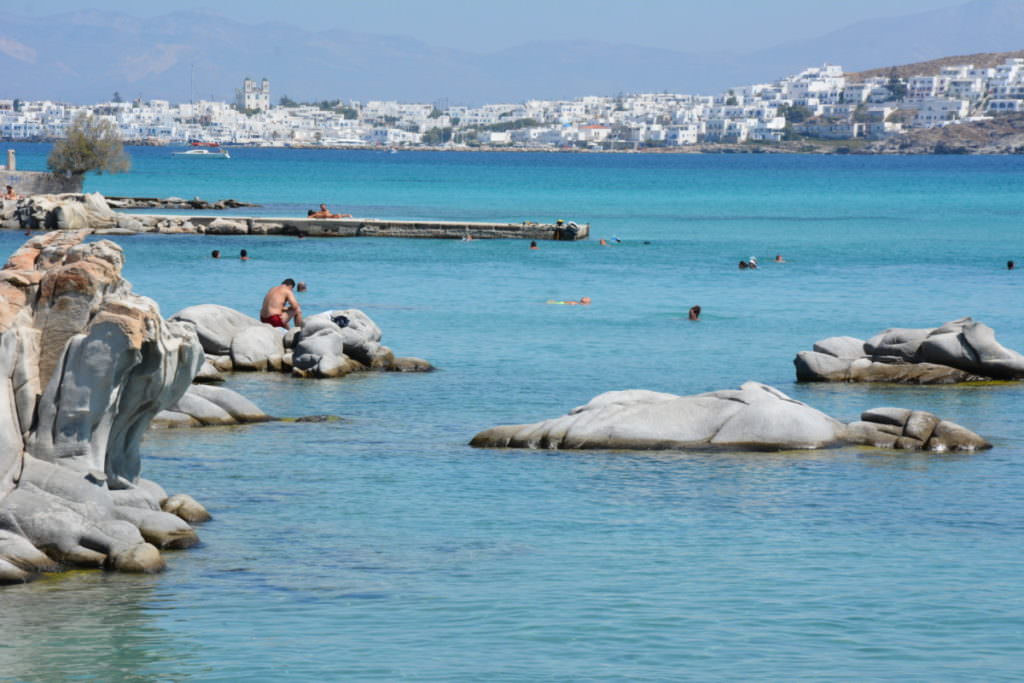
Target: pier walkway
{"x": 369, "y": 227}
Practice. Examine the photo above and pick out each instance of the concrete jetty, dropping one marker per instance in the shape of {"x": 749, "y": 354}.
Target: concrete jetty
{"x": 360, "y": 227}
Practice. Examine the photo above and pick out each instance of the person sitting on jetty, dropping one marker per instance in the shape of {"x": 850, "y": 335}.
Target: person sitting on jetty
{"x": 280, "y": 306}
{"x": 324, "y": 212}
{"x": 10, "y": 193}
{"x": 694, "y": 313}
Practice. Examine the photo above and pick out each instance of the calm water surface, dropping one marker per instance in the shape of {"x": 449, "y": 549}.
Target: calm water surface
{"x": 382, "y": 547}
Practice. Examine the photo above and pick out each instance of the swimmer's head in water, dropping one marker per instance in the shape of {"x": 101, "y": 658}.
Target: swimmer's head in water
{"x": 585, "y": 300}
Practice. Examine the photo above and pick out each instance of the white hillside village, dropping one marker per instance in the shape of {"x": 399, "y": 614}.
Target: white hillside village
{"x": 819, "y": 103}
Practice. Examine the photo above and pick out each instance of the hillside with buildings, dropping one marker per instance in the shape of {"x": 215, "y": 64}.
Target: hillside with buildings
{"x": 980, "y": 60}
{"x": 950, "y": 105}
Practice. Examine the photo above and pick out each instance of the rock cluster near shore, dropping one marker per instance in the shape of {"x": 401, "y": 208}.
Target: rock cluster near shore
{"x": 329, "y": 344}
{"x": 174, "y": 203}
{"x": 85, "y": 365}
{"x": 959, "y": 351}
{"x": 93, "y": 212}
{"x": 753, "y": 417}
{"x": 65, "y": 212}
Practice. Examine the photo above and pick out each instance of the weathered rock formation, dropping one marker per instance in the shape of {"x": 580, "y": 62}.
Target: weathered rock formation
{"x": 959, "y": 351}
{"x": 205, "y": 406}
{"x": 329, "y": 344}
{"x": 753, "y": 417}
{"x": 85, "y": 365}
{"x": 174, "y": 203}
{"x": 65, "y": 212}
{"x": 92, "y": 211}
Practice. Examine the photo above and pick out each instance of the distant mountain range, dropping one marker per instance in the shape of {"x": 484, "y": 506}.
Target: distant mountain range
{"x": 86, "y": 56}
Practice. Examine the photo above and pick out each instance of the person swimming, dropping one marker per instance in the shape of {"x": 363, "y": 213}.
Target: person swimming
{"x": 584, "y": 301}
{"x": 694, "y": 313}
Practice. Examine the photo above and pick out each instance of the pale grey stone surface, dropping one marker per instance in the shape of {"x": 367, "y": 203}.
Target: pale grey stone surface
{"x": 205, "y": 405}
{"x": 216, "y": 325}
{"x": 252, "y": 348}
{"x": 320, "y": 348}
{"x": 755, "y": 417}
{"x": 959, "y": 351}
{"x": 225, "y": 226}
{"x": 85, "y": 365}
{"x": 841, "y": 347}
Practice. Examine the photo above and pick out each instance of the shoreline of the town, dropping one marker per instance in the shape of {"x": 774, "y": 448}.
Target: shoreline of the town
{"x": 802, "y": 147}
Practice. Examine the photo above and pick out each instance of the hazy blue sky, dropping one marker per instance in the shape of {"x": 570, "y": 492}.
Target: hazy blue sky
{"x": 484, "y": 25}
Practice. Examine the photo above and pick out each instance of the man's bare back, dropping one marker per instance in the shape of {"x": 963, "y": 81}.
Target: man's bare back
{"x": 280, "y": 306}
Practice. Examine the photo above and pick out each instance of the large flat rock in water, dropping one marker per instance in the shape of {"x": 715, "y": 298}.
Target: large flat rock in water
{"x": 753, "y": 417}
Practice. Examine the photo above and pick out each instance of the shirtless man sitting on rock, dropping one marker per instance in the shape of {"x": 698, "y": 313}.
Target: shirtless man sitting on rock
{"x": 280, "y": 306}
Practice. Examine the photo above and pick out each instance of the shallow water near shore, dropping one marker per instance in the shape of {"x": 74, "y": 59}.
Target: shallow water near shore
{"x": 383, "y": 547}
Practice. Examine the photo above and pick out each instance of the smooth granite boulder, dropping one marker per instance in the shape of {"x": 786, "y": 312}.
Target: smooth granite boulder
{"x": 204, "y": 405}
{"x": 254, "y": 347}
{"x": 216, "y": 325}
{"x": 226, "y": 226}
{"x": 337, "y": 342}
{"x": 85, "y": 365}
{"x": 329, "y": 344}
{"x": 754, "y": 417}
{"x": 959, "y": 351}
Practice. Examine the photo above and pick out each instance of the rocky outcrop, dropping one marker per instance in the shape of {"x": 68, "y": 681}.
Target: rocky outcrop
{"x": 174, "y": 203}
{"x": 204, "y": 406}
{"x": 85, "y": 365}
{"x": 753, "y": 417}
{"x": 959, "y": 351}
{"x": 75, "y": 211}
{"x": 329, "y": 344}
{"x": 65, "y": 212}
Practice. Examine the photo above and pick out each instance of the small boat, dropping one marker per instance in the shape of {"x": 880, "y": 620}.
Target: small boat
{"x": 216, "y": 153}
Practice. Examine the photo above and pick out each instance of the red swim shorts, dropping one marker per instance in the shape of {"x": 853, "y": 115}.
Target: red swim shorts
{"x": 274, "y": 320}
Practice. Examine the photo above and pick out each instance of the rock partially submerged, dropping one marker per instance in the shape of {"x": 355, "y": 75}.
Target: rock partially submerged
{"x": 174, "y": 203}
{"x": 204, "y": 406}
{"x": 959, "y": 351}
{"x": 85, "y": 365}
{"x": 92, "y": 211}
{"x": 753, "y": 417}
{"x": 329, "y": 344}
{"x": 65, "y": 212}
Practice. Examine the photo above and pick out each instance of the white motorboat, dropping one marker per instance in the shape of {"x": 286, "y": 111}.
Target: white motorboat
{"x": 216, "y": 153}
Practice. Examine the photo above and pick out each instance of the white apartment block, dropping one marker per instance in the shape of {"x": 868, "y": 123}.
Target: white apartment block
{"x": 835, "y": 109}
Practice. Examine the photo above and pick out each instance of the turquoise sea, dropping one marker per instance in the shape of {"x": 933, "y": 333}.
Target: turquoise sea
{"x": 384, "y": 548}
